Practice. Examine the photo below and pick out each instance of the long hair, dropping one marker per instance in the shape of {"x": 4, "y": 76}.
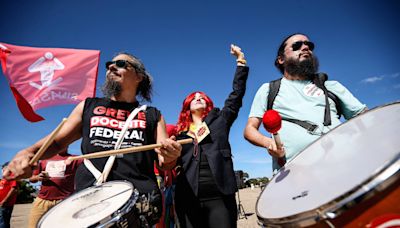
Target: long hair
{"x": 145, "y": 88}
{"x": 185, "y": 116}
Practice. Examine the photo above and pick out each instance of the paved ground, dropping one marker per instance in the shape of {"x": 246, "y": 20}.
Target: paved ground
{"x": 248, "y": 198}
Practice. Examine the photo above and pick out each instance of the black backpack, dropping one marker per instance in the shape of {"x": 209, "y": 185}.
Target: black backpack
{"x": 319, "y": 80}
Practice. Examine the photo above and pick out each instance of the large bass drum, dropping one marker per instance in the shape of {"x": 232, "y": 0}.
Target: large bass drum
{"x": 349, "y": 177}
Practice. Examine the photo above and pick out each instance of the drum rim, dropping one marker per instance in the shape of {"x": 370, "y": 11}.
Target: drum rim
{"x": 360, "y": 193}
{"x": 123, "y": 207}
{"x": 330, "y": 210}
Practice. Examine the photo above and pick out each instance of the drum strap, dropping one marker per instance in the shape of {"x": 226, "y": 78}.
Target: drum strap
{"x": 102, "y": 177}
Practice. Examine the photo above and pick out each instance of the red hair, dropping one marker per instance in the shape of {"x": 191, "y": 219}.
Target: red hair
{"x": 185, "y": 117}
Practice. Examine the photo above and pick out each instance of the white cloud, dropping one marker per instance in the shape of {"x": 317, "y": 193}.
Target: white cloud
{"x": 373, "y": 79}
{"x": 395, "y": 75}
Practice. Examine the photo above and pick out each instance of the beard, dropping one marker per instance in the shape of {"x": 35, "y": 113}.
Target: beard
{"x": 306, "y": 68}
{"x": 111, "y": 88}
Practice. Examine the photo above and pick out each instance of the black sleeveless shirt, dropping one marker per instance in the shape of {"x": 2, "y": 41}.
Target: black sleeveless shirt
{"x": 102, "y": 120}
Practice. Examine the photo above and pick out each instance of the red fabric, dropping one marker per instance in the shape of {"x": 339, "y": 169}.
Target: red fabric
{"x": 5, "y": 187}
{"x": 61, "y": 182}
{"x": 272, "y": 121}
{"x": 171, "y": 129}
{"x": 390, "y": 220}
{"x": 43, "y": 77}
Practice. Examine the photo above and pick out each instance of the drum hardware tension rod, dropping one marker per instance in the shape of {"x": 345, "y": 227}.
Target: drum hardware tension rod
{"x": 326, "y": 216}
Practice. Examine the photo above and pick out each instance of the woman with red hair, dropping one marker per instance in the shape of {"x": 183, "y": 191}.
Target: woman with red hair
{"x": 206, "y": 186}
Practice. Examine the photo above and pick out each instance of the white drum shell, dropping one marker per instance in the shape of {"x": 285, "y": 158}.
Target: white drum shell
{"x": 90, "y": 206}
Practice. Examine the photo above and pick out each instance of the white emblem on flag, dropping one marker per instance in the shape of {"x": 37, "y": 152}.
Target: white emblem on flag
{"x": 46, "y": 66}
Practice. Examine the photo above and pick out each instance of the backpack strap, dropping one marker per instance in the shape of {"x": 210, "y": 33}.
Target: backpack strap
{"x": 273, "y": 92}
{"x": 319, "y": 80}
{"x": 309, "y": 126}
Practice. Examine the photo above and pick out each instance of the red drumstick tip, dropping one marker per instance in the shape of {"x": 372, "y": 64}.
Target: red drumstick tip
{"x": 272, "y": 121}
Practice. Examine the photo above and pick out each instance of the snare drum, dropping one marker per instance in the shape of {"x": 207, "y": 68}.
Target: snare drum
{"x": 348, "y": 177}
{"x": 98, "y": 206}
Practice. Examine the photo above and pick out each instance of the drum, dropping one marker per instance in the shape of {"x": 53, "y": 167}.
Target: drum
{"x": 348, "y": 177}
{"x": 98, "y": 206}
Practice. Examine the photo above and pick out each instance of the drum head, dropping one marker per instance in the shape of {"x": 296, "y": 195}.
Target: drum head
{"x": 89, "y": 206}
{"x": 333, "y": 166}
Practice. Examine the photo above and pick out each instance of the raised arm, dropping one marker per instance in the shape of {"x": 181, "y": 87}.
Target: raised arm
{"x": 234, "y": 101}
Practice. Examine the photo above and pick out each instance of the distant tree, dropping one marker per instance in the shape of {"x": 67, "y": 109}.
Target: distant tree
{"x": 256, "y": 181}
{"x": 25, "y": 192}
{"x": 252, "y": 181}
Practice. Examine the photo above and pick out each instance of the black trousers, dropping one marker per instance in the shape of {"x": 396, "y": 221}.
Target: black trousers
{"x": 202, "y": 213}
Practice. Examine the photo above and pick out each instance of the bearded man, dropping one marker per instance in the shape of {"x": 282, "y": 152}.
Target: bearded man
{"x": 299, "y": 100}
{"x": 99, "y": 123}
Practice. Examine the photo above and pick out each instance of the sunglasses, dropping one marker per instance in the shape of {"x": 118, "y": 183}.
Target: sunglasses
{"x": 120, "y": 64}
{"x": 297, "y": 45}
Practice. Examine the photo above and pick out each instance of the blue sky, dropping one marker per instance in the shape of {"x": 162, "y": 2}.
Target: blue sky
{"x": 185, "y": 46}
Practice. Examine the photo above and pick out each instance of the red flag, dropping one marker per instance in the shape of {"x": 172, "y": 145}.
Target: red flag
{"x": 43, "y": 77}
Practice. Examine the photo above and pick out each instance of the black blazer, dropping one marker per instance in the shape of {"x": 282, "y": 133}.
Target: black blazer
{"x": 216, "y": 145}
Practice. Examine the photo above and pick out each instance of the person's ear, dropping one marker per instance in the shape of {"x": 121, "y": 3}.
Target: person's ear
{"x": 140, "y": 77}
{"x": 281, "y": 60}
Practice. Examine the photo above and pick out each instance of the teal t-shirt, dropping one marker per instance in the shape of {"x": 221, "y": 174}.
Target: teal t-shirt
{"x": 303, "y": 100}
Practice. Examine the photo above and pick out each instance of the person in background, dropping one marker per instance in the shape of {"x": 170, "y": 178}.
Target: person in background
{"x": 57, "y": 179}
{"x": 206, "y": 186}
{"x": 8, "y": 197}
{"x": 167, "y": 182}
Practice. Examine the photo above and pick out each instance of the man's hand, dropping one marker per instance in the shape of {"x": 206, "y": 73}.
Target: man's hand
{"x": 43, "y": 176}
{"x": 169, "y": 151}
{"x": 274, "y": 151}
{"x": 19, "y": 167}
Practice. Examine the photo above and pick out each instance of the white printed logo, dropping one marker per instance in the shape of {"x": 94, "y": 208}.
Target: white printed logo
{"x": 312, "y": 90}
{"x": 56, "y": 168}
{"x": 46, "y": 65}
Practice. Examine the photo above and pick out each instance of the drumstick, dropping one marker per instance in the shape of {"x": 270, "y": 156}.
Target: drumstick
{"x": 47, "y": 143}
{"x": 124, "y": 151}
{"x": 272, "y": 122}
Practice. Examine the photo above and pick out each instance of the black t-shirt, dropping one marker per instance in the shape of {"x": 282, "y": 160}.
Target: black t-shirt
{"x": 102, "y": 120}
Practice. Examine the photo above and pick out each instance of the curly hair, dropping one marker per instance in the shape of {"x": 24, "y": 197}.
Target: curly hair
{"x": 185, "y": 117}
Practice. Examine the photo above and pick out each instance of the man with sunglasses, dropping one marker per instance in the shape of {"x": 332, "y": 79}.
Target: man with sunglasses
{"x": 100, "y": 122}
{"x": 300, "y": 102}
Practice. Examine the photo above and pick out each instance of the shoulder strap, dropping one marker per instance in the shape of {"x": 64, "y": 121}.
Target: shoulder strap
{"x": 273, "y": 92}
{"x": 152, "y": 117}
{"x": 319, "y": 81}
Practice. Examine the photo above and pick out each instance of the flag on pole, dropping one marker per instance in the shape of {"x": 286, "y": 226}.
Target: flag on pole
{"x": 43, "y": 77}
